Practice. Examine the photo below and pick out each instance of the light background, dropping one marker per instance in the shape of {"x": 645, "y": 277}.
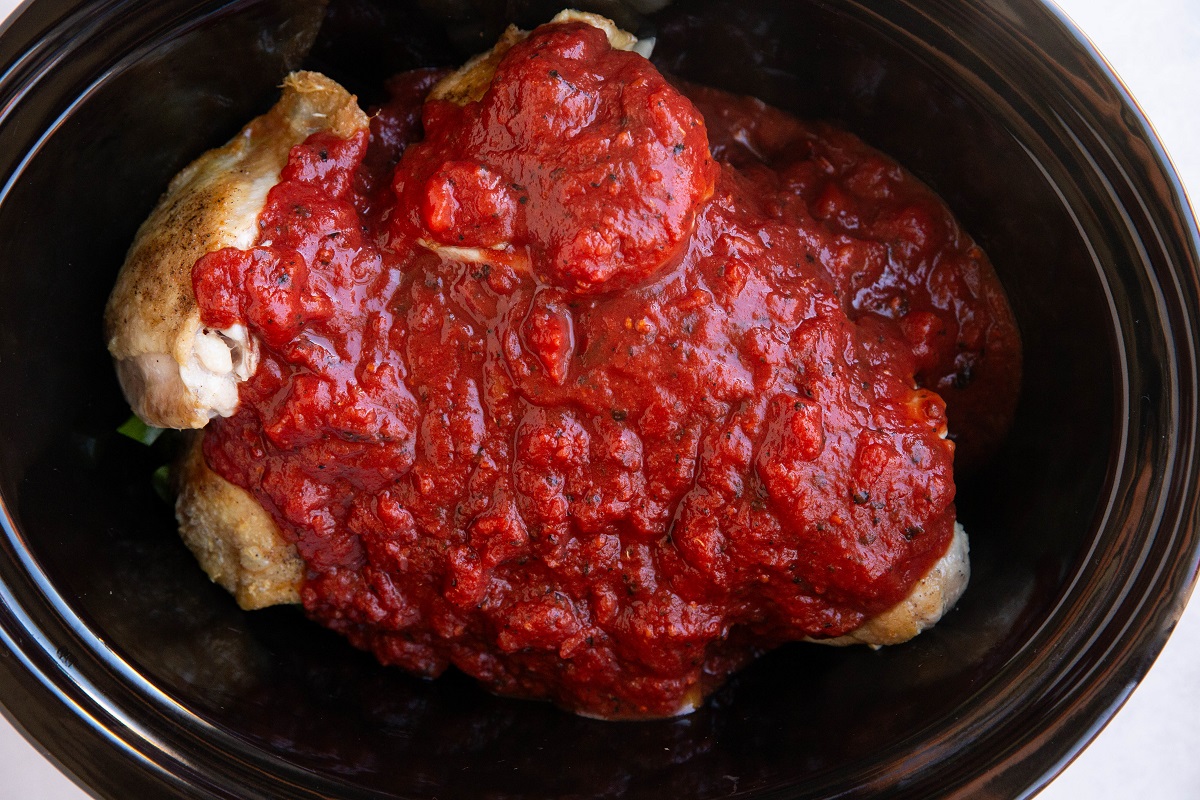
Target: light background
{"x": 1152, "y": 748}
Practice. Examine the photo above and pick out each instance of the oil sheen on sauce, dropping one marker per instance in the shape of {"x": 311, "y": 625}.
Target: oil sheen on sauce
{"x": 602, "y": 385}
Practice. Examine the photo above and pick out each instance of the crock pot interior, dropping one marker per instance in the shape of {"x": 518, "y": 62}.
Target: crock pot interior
{"x": 121, "y": 116}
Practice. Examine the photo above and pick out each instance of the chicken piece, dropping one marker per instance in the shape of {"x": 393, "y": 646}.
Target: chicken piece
{"x": 175, "y": 372}
{"x": 944, "y": 584}
{"x": 930, "y": 599}
{"x": 232, "y": 536}
{"x": 468, "y": 83}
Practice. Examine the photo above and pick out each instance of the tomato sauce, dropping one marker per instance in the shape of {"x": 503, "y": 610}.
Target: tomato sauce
{"x": 601, "y": 385}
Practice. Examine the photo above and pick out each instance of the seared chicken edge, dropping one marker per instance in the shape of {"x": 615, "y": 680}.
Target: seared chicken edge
{"x": 930, "y": 599}
{"x": 232, "y": 536}
{"x": 174, "y": 372}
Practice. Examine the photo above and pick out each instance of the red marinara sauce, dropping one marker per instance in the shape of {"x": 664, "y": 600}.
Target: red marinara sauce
{"x": 599, "y": 386}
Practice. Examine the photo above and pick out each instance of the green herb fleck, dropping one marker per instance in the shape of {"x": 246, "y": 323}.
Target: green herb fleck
{"x": 139, "y": 431}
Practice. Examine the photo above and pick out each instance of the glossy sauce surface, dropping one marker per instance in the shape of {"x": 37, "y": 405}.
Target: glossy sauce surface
{"x": 602, "y": 385}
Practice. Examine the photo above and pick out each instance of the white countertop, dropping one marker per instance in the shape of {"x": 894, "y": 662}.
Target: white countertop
{"x": 1152, "y": 748}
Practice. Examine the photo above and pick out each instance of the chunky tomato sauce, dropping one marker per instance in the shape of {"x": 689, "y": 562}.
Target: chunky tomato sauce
{"x": 599, "y": 386}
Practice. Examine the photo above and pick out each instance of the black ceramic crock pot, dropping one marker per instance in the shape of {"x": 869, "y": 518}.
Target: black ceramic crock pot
{"x": 142, "y": 679}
